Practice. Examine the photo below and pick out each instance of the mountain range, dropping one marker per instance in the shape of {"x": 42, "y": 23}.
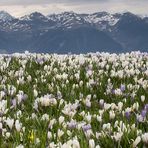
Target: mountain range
{"x": 72, "y": 32}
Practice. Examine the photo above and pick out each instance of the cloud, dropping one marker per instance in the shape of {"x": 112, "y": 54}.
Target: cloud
{"x": 35, "y": 2}
{"x": 22, "y": 7}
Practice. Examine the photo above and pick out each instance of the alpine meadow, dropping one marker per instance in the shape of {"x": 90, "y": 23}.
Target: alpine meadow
{"x": 73, "y": 74}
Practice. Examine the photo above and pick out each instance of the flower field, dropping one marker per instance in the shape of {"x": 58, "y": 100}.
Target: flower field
{"x": 95, "y": 100}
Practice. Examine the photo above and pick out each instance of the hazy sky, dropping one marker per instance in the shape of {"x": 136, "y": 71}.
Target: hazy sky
{"x": 22, "y": 7}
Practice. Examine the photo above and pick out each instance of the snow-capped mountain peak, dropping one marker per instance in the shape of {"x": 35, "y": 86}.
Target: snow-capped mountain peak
{"x": 101, "y": 17}
{"x": 4, "y": 16}
{"x": 34, "y": 15}
{"x": 62, "y": 16}
{"x": 67, "y": 19}
{"x": 71, "y": 19}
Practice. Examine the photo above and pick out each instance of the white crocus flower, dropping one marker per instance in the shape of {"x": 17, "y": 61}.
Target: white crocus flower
{"x": 1, "y": 125}
{"x": 60, "y": 133}
{"x": 75, "y": 143}
{"x": 7, "y": 134}
{"x": 10, "y": 122}
{"x": 98, "y": 146}
{"x": 142, "y": 98}
{"x": 91, "y": 143}
{"x": 20, "y": 146}
{"x": 88, "y": 118}
{"x": 18, "y": 125}
{"x": 49, "y": 135}
{"x": 145, "y": 138}
{"x": 136, "y": 142}
{"x": 61, "y": 119}
{"x": 99, "y": 118}
{"x": 45, "y": 117}
{"x": 118, "y": 136}
{"x": 107, "y": 106}
{"x": 35, "y": 93}
{"x": 120, "y": 105}
{"x": 111, "y": 114}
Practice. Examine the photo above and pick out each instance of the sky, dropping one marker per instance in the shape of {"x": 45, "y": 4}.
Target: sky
{"x": 19, "y": 8}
